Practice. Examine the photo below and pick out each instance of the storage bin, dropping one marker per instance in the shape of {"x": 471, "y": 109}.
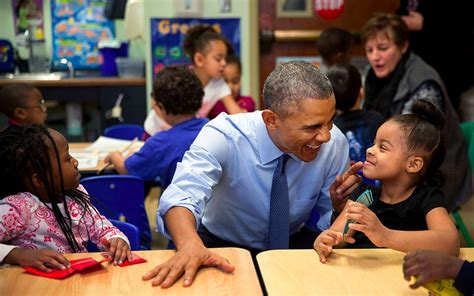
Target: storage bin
{"x": 130, "y": 67}
{"x": 110, "y": 50}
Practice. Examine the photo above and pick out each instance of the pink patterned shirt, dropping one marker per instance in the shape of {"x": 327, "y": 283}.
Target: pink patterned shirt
{"x": 28, "y": 223}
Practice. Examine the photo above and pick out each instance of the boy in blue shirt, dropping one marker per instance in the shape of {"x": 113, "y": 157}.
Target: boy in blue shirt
{"x": 359, "y": 126}
{"x": 177, "y": 95}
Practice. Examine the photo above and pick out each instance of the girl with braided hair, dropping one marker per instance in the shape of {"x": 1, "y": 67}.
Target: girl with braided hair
{"x": 408, "y": 211}
{"x": 44, "y": 211}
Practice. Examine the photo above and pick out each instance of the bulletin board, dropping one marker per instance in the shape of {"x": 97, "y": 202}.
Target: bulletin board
{"x": 77, "y": 28}
{"x": 167, "y": 35}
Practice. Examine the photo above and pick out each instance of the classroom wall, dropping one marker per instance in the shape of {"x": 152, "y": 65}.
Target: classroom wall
{"x": 7, "y": 30}
{"x": 246, "y": 10}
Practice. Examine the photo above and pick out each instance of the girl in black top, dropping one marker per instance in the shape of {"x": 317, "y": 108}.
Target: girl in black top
{"x": 408, "y": 211}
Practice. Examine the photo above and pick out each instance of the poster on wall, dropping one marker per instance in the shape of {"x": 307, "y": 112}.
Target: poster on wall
{"x": 167, "y": 37}
{"x": 293, "y": 8}
{"x": 28, "y": 14}
{"x": 77, "y": 28}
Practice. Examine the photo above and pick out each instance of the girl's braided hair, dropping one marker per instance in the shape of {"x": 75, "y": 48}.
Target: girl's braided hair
{"x": 24, "y": 151}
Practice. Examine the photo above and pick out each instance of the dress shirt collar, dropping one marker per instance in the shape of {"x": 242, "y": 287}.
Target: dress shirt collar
{"x": 268, "y": 151}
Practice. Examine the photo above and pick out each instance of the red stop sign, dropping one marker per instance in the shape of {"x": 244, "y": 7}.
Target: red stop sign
{"x": 329, "y": 9}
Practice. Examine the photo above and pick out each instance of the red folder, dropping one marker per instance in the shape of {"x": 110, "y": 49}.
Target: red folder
{"x": 76, "y": 265}
{"x": 81, "y": 264}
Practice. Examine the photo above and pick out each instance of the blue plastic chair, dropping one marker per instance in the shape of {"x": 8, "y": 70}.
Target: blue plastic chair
{"x": 121, "y": 197}
{"x": 130, "y": 231}
{"x": 124, "y": 131}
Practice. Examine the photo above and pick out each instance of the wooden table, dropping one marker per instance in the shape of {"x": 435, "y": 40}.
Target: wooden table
{"x": 115, "y": 280}
{"x": 347, "y": 272}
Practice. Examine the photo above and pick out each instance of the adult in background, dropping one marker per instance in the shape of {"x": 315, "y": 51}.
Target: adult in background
{"x": 396, "y": 79}
{"x": 251, "y": 180}
{"x": 451, "y": 53}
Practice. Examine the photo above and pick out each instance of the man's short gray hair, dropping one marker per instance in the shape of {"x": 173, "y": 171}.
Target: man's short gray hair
{"x": 292, "y": 82}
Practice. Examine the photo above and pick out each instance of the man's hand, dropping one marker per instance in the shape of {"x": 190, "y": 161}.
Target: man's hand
{"x": 344, "y": 185}
{"x": 186, "y": 261}
{"x": 44, "y": 260}
{"x": 430, "y": 266}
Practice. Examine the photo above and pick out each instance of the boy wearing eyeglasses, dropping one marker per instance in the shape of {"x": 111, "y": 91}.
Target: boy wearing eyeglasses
{"x": 23, "y": 104}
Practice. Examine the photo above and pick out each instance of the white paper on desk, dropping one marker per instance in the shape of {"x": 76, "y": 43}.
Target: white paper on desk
{"x": 104, "y": 145}
{"x": 86, "y": 160}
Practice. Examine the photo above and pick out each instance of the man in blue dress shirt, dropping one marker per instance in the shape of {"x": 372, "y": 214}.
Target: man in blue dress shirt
{"x": 222, "y": 186}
